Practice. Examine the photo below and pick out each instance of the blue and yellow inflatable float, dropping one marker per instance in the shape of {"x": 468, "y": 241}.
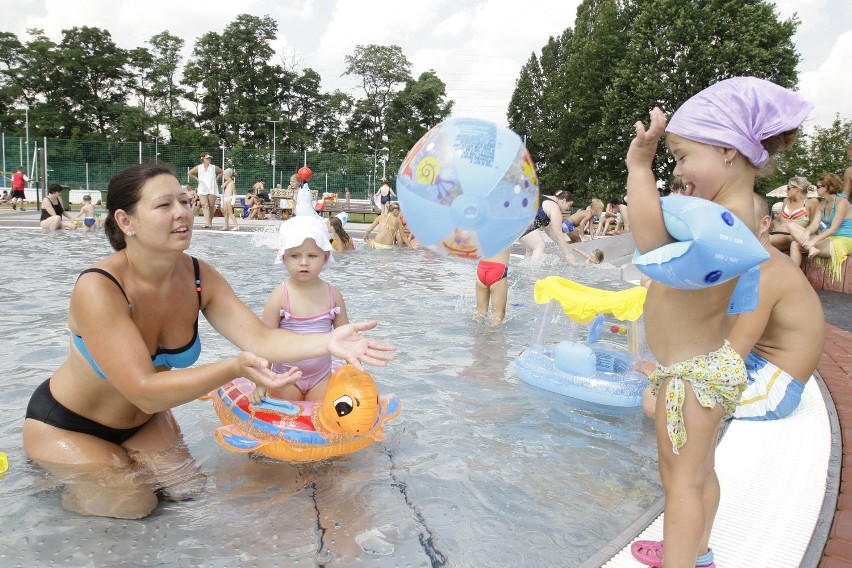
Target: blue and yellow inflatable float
{"x": 597, "y": 370}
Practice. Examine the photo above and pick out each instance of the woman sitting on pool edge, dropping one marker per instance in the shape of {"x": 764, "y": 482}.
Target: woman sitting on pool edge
{"x": 52, "y": 210}
{"x": 103, "y": 422}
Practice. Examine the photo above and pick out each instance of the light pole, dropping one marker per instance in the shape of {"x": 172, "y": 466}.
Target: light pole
{"x": 274, "y": 148}
{"x": 384, "y": 159}
{"x": 27, "y": 128}
{"x": 156, "y": 149}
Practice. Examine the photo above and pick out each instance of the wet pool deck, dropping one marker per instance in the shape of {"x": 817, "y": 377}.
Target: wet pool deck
{"x": 835, "y": 369}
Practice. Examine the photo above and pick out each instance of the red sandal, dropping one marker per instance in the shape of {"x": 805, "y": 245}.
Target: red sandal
{"x": 650, "y": 553}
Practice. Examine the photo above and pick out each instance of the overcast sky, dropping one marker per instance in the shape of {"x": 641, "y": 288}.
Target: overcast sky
{"x": 477, "y": 47}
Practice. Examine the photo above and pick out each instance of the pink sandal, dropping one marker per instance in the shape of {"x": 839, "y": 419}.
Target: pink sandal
{"x": 650, "y": 553}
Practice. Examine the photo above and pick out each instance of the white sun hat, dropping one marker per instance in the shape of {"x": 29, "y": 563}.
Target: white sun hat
{"x": 296, "y": 230}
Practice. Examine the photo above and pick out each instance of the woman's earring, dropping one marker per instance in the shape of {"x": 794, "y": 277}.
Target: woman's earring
{"x": 129, "y": 233}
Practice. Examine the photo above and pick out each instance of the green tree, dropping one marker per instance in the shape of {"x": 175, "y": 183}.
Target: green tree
{"x": 418, "y": 107}
{"x": 382, "y": 69}
{"x": 92, "y": 82}
{"x": 579, "y": 100}
{"x": 165, "y": 91}
{"x": 333, "y": 114}
{"x": 201, "y": 75}
{"x": 305, "y": 102}
{"x": 828, "y": 148}
{"x": 11, "y": 61}
{"x": 676, "y": 49}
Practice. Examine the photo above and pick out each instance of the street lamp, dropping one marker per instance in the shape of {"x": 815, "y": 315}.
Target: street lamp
{"x": 156, "y": 149}
{"x": 27, "y": 127}
{"x": 384, "y": 160}
{"x": 274, "y": 123}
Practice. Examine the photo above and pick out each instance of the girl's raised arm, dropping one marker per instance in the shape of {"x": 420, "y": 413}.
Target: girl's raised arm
{"x": 649, "y": 232}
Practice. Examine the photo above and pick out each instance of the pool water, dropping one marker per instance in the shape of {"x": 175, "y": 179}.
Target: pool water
{"x": 480, "y": 469}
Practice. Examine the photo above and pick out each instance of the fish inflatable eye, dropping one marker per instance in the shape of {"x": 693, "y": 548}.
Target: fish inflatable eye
{"x": 351, "y": 402}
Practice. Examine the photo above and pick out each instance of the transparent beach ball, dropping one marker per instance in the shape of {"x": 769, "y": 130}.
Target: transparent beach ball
{"x": 468, "y": 188}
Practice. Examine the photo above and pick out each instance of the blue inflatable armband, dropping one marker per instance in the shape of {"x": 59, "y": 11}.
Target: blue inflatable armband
{"x": 745, "y": 296}
{"x": 712, "y": 246}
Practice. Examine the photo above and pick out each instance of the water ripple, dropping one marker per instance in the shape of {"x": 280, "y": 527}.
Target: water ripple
{"x": 478, "y": 470}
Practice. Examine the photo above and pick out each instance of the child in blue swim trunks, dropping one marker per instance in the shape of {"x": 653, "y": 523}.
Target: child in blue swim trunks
{"x": 782, "y": 340}
{"x": 87, "y": 212}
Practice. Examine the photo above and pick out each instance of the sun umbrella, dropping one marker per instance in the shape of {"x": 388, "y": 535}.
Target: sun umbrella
{"x": 780, "y": 191}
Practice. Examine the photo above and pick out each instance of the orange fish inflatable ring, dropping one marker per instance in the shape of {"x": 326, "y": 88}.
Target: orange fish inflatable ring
{"x": 350, "y": 417}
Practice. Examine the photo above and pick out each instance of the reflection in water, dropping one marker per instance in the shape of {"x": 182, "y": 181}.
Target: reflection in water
{"x": 478, "y": 470}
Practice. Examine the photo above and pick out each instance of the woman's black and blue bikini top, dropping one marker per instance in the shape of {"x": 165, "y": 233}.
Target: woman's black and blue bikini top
{"x": 180, "y": 358}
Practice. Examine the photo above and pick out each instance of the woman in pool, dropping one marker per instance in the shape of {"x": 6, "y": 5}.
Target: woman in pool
{"x": 340, "y": 239}
{"x": 549, "y": 218}
{"x": 103, "y": 420}
{"x": 52, "y": 210}
{"x": 388, "y": 226}
{"x": 720, "y": 138}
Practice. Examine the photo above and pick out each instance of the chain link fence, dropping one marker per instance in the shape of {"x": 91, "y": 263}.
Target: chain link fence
{"x": 89, "y": 165}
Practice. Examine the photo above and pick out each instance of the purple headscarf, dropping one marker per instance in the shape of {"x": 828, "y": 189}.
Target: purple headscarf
{"x": 740, "y": 113}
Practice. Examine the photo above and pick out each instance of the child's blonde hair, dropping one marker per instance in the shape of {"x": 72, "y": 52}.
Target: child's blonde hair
{"x": 597, "y": 206}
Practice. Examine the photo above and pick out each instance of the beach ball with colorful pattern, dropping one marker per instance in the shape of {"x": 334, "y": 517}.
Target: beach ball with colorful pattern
{"x": 468, "y": 188}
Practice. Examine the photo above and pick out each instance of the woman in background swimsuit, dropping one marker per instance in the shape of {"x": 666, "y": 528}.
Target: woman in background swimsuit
{"x": 797, "y": 208}
{"x": 549, "y": 218}
{"x": 388, "y": 226}
{"x": 103, "y": 421}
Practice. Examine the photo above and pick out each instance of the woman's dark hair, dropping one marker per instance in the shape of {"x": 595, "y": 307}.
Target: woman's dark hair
{"x": 337, "y": 225}
{"x": 124, "y": 191}
{"x": 54, "y": 188}
{"x": 564, "y": 194}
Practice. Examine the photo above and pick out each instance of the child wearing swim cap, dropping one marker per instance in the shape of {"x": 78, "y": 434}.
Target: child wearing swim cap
{"x": 304, "y": 303}
{"x": 720, "y": 138}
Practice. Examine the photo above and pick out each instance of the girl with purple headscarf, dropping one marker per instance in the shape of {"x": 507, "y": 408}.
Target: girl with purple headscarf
{"x": 720, "y": 138}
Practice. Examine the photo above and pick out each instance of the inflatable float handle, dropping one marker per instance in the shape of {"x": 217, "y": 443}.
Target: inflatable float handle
{"x": 278, "y": 405}
{"x": 595, "y": 329}
{"x": 233, "y": 439}
{"x": 549, "y": 308}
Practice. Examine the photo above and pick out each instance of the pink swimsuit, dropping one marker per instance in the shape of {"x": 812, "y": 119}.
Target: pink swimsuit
{"x": 317, "y": 368}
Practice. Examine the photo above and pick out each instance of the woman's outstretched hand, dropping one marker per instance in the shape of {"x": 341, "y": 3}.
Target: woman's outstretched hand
{"x": 257, "y": 370}
{"x": 347, "y": 343}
